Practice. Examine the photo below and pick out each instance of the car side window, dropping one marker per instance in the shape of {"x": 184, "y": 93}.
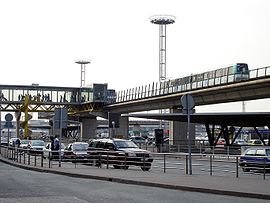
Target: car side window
{"x": 93, "y": 144}
{"x": 109, "y": 146}
{"x": 251, "y": 152}
{"x": 267, "y": 152}
{"x": 70, "y": 147}
{"x": 260, "y": 152}
{"x": 100, "y": 145}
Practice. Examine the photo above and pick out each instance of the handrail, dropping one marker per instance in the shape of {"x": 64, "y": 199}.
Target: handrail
{"x": 166, "y": 87}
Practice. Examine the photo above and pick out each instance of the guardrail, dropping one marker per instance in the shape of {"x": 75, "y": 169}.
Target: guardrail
{"x": 162, "y": 161}
{"x": 166, "y": 87}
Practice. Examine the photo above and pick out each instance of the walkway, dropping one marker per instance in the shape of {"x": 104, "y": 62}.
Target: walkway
{"x": 241, "y": 187}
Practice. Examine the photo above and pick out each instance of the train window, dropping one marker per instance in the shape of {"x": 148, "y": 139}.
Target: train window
{"x": 224, "y": 71}
{"x": 218, "y": 73}
{"x": 242, "y": 68}
{"x": 230, "y": 70}
{"x": 199, "y": 77}
{"x": 211, "y": 74}
{"x": 194, "y": 78}
{"x": 205, "y": 75}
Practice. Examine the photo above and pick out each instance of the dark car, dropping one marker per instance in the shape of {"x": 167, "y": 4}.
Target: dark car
{"x": 255, "y": 158}
{"x": 121, "y": 153}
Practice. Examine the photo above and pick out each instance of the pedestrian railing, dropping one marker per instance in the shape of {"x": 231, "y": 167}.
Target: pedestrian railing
{"x": 176, "y": 163}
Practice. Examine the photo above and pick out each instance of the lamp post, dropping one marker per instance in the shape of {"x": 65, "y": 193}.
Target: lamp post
{"x": 113, "y": 129}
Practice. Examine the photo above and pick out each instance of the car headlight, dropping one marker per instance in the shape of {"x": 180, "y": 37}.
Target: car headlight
{"x": 131, "y": 154}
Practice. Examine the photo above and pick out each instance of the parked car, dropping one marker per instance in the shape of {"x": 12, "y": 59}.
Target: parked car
{"x": 221, "y": 141}
{"x": 255, "y": 142}
{"x": 121, "y": 153}
{"x": 255, "y": 158}
{"x": 76, "y": 152}
{"x": 138, "y": 140}
{"x": 14, "y": 141}
{"x": 240, "y": 142}
{"x": 36, "y": 146}
{"x": 53, "y": 155}
{"x": 24, "y": 143}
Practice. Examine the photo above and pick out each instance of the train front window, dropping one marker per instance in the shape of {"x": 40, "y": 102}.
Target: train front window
{"x": 242, "y": 68}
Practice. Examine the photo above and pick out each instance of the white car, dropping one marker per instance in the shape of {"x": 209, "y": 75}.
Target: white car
{"x": 24, "y": 143}
{"x": 36, "y": 146}
{"x": 53, "y": 155}
{"x": 77, "y": 152}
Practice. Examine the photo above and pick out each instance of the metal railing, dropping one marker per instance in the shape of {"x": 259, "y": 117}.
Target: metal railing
{"x": 211, "y": 164}
{"x": 157, "y": 89}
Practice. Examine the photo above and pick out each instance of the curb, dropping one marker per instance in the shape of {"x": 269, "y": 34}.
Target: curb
{"x": 142, "y": 183}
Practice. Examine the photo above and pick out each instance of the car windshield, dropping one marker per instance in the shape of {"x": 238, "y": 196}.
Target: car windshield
{"x": 80, "y": 147}
{"x": 38, "y": 143}
{"x": 125, "y": 144}
{"x": 25, "y": 141}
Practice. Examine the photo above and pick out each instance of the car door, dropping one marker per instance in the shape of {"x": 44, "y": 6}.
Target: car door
{"x": 249, "y": 157}
{"x": 260, "y": 157}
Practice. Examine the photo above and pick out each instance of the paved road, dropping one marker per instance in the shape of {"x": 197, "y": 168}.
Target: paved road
{"x": 25, "y": 186}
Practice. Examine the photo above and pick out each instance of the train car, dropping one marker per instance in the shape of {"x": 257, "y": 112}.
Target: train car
{"x": 232, "y": 73}
{"x": 238, "y": 71}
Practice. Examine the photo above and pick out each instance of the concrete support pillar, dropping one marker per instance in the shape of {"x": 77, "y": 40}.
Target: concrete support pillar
{"x": 88, "y": 128}
{"x": 123, "y": 129}
{"x": 178, "y": 131}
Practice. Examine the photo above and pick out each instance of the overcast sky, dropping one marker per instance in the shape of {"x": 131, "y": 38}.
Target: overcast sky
{"x": 40, "y": 40}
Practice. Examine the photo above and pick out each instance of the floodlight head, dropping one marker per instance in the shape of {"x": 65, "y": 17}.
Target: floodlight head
{"x": 162, "y": 19}
{"x": 82, "y": 61}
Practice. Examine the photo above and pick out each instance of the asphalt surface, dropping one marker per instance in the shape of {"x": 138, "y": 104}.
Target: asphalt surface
{"x": 241, "y": 187}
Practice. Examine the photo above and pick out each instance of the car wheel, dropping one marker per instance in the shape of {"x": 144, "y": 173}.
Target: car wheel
{"x": 146, "y": 168}
{"x": 116, "y": 166}
{"x": 245, "y": 169}
{"x": 120, "y": 167}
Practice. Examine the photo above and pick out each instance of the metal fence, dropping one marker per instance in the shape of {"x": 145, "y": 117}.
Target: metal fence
{"x": 166, "y": 87}
{"x": 173, "y": 163}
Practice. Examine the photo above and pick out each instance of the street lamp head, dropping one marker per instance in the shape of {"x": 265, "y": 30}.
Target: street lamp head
{"x": 82, "y": 61}
{"x": 162, "y": 19}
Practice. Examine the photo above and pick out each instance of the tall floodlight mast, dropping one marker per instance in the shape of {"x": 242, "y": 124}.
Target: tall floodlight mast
{"x": 162, "y": 21}
{"x": 83, "y": 63}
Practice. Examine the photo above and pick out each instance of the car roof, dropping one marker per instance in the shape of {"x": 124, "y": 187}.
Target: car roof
{"x": 36, "y": 140}
{"x": 108, "y": 140}
{"x": 259, "y": 147}
{"x": 79, "y": 143}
